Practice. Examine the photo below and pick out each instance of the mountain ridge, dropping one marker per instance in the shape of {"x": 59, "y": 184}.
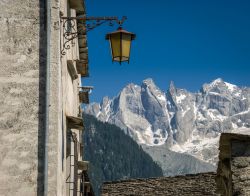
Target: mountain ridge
{"x": 186, "y": 122}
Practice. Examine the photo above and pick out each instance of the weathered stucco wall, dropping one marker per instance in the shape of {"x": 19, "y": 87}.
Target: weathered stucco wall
{"x": 69, "y": 105}
{"x": 22, "y": 97}
{"x": 64, "y": 100}
{"x": 55, "y": 176}
{"x": 20, "y": 77}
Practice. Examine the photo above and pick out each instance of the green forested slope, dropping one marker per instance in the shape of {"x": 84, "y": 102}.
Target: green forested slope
{"x": 113, "y": 155}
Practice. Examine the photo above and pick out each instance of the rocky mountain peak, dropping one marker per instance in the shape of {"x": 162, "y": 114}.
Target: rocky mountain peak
{"x": 219, "y": 86}
{"x": 148, "y": 82}
{"x": 217, "y": 81}
{"x": 172, "y": 89}
{"x": 148, "y": 85}
{"x": 184, "y": 121}
{"x": 171, "y": 85}
{"x": 105, "y": 100}
{"x": 131, "y": 89}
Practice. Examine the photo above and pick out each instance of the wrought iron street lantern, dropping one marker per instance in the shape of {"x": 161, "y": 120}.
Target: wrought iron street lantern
{"x": 120, "y": 44}
{"x": 120, "y": 40}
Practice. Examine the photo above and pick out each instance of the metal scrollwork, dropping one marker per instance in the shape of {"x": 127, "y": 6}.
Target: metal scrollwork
{"x": 69, "y": 34}
{"x": 70, "y": 30}
{"x": 95, "y": 24}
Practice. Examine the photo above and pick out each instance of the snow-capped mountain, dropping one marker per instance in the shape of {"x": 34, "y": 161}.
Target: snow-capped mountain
{"x": 185, "y": 122}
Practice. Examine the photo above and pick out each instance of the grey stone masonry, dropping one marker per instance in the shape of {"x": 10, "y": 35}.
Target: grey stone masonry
{"x": 195, "y": 185}
{"x": 240, "y": 166}
{"x": 233, "y": 173}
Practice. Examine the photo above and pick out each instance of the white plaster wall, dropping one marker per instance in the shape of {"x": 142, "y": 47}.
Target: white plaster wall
{"x": 70, "y": 98}
{"x": 55, "y": 111}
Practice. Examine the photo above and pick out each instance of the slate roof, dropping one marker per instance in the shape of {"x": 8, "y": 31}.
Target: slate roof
{"x": 192, "y": 184}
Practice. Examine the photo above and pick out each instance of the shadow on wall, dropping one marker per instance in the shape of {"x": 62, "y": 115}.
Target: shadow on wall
{"x": 42, "y": 98}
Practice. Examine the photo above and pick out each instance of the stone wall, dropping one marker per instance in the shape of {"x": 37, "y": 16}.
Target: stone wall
{"x": 198, "y": 184}
{"x": 233, "y": 172}
{"x": 240, "y": 166}
{"x": 20, "y": 80}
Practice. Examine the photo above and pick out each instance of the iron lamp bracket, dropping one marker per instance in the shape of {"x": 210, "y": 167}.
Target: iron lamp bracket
{"x": 72, "y": 27}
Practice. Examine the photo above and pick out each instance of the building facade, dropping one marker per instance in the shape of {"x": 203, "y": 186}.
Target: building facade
{"x": 41, "y": 94}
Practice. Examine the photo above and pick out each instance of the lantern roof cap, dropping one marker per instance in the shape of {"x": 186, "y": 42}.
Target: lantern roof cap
{"x": 120, "y": 30}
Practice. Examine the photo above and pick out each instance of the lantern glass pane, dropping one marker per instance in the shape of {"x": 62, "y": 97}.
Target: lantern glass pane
{"x": 126, "y": 42}
{"x": 115, "y": 45}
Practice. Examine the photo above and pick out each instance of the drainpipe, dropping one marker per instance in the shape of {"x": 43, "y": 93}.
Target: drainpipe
{"x": 47, "y": 94}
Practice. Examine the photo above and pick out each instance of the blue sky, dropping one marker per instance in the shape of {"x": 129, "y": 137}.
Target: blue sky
{"x": 187, "y": 41}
